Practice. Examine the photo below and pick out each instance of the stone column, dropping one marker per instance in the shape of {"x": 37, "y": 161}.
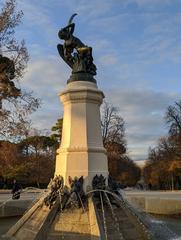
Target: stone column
{"x": 81, "y": 152}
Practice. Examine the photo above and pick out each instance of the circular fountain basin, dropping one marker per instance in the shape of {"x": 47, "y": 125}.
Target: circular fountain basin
{"x": 157, "y": 202}
{"x": 11, "y": 208}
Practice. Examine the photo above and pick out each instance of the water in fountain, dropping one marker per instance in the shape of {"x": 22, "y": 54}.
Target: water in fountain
{"x": 158, "y": 228}
{"x": 119, "y": 220}
{"x": 129, "y": 226}
{"x": 114, "y": 216}
{"x": 104, "y": 218}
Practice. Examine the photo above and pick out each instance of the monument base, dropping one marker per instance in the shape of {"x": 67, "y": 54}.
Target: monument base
{"x": 81, "y": 163}
{"x": 81, "y": 152}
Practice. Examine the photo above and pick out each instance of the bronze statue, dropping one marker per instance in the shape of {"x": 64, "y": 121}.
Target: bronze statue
{"x": 69, "y": 197}
{"x": 74, "y": 52}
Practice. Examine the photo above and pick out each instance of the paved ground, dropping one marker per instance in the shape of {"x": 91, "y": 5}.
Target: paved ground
{"x": 71, "y": 225}
{"x": 10, "y": 208}
{"x": 159, "y": 194}
{"x": 4, "y": 196}
{"x": 6, "y": 223}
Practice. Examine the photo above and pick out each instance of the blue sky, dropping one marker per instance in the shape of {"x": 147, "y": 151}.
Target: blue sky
{"x": 137, "y": 50}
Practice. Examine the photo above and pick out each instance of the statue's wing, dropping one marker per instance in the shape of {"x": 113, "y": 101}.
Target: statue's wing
{"x": 61, "y": 52}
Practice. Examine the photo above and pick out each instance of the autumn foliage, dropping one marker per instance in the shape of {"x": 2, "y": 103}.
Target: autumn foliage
{"x": 31, "y": 161}
{"x": 163, "y": 168}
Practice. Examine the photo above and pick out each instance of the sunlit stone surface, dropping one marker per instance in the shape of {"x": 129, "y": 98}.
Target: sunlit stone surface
{"x": 81, "y": 152}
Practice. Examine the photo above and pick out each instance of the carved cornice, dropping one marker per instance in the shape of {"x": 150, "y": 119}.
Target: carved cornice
{"x": 82, "y": 149}
{"x": 82, "y": 95}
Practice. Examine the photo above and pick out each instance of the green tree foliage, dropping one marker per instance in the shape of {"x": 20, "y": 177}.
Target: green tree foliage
{"x": 57, "y": 130}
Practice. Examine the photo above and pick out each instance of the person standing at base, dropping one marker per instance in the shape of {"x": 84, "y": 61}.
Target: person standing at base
{"x": 16, "y": 190}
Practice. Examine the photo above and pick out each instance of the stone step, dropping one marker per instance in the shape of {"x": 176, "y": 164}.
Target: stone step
{"x": 71, "y": 224}
{"x": 122, "y": 223}
{"x": 35, "y": 223}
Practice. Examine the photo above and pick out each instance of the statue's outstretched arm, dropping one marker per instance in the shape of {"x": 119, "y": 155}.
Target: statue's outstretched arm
{"x": 70, "y": 27}
{"x": 70, "y": 24}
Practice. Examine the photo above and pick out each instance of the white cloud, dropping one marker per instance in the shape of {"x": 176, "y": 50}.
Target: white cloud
{"x": 50, "y": 73}
{"x": 128, "y": 38}
{"x": 143, "y": 112}
{"x": 46, "y": 77}
{"x": 35, "y": 14}
{"x": 90, "y": 9}
{"x": 149, "y": 4}
{"x": 108, "y": 60}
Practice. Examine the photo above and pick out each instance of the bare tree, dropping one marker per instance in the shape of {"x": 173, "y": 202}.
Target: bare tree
{"x": 13, "y": 55}
{"x": 15, "y": 105}
{"x": 112, "y": 123}
{"x": 17, "y": 52}
{"x": 121, "y": 167}
{"x": 173, "y": 119}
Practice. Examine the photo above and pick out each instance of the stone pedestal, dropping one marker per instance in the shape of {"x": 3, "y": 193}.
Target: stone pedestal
{"x": 81, "y": 152}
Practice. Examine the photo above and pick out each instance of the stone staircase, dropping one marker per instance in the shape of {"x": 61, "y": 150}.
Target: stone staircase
{"x": 34, "y": 224}
{"x": 119, "y": 224}
{"x": 116, "y": 222}
{"x": 71, "y": 224}
{"x": 41, "y": 223}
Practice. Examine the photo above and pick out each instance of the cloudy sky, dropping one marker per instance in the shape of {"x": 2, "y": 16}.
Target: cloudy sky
{"x": 137, "y": 50}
